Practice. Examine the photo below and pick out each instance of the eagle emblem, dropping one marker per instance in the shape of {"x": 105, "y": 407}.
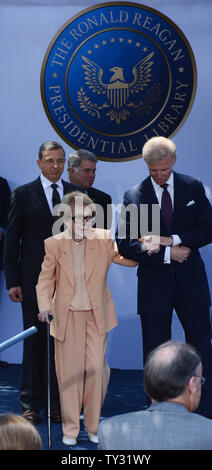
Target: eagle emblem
{"x": 117, "y": 91}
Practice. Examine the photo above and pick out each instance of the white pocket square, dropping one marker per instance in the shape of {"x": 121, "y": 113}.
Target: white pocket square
{"x": 190, "y": 203}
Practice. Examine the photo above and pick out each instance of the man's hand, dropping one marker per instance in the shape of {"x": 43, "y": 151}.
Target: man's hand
{"x": 151, "y": 243}
{"x": 179, "y": 253}
{"x": 44, "y": 316}
{"x": 15, "y": 294}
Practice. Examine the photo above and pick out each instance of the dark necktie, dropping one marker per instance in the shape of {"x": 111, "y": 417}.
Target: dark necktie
{"x": 166, "y": 206}
{"x": 55, "y": 195}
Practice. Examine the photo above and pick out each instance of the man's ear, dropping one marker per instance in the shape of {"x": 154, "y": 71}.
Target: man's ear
{"x": 38, "y": 162}
{"x": 192, "y": 384}
{"x": 71, "y": 171}
{"x": 174, "y": 160}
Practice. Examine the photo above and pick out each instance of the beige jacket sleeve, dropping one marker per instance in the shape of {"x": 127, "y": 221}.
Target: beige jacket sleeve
{"x": 46, "y": 281}
{"x": 114, "y": 253}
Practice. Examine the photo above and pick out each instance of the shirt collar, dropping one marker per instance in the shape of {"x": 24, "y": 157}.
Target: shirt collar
{"x": 47, "y": 183}
{"x": 170, "y": 181}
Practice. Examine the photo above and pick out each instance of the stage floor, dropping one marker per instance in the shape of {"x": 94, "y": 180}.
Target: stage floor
{"x": 125, "y": 393}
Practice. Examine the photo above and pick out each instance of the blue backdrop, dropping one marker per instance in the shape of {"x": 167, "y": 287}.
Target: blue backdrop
{"x": 26, "y": 28}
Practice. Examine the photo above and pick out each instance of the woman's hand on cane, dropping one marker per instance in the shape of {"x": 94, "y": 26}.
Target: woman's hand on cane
{"x": 45, "y": 316}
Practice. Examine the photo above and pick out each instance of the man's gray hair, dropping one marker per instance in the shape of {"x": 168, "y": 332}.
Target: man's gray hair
{"x": 76, "y": 157}
{"x": 157, "y": 149}
{"x": 49, "y": 145}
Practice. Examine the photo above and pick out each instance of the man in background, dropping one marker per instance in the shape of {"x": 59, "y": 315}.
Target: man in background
{"x": 4, "y": 205}
{"x": 82, "y": 172}
{"x": 30, "y": 222}
{"x": 173, "y": 378}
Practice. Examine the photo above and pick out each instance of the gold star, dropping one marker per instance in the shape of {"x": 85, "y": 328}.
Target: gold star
{"x": 121, "y": 39}
{"x": 54, "y": 75}
{"x": 181, "y": 69}
{"x": 129, "y": 41}
{"x": 112, "y": 40}
{"x": 104, "y": 42}
{"x": 138, "y": 44}
{"x": 90, "y": 51}
{"x": 144, "y": 49}
{"x": 96, "y": 46}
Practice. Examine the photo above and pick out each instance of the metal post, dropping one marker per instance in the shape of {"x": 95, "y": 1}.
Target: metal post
{"x": 48, "y": 384}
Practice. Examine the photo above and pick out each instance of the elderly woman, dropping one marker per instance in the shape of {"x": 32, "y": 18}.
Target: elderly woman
{"x": 72, "y": 286}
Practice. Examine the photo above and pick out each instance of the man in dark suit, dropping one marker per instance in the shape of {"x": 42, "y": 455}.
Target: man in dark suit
{"x": 4, "y": 205}
{"x": 174, "y": 277}
{"x": 30, "y": 222}
{"x": 82, "y": 172}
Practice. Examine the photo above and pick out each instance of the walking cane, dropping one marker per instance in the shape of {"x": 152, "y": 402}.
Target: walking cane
{"x": 48, "y": 382}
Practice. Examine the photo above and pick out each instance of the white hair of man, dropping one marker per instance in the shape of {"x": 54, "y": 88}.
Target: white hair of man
{"x": 76, "y": 157}
{"x": 157, "y": 149}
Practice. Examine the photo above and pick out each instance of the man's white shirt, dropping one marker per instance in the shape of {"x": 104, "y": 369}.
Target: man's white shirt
{"x": 49, "y": 190}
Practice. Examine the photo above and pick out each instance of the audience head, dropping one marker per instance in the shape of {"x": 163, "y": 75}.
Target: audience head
{"x": 82, "y": 168}
{"x": 16, "y": 433}
{"x": 51, "y": 160}
{"x": 173, "y": 372}
{"x": 159, "y": 154}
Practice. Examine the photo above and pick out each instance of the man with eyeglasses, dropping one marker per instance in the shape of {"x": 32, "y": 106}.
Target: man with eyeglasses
{"x": 173, "y": 380}
{"x": 30, "y": 222}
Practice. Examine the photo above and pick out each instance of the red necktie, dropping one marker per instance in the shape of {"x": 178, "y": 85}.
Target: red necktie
{"x": 166, "y": 206}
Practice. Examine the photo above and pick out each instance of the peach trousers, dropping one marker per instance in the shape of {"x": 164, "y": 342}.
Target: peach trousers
{"x": 82, "y": 372}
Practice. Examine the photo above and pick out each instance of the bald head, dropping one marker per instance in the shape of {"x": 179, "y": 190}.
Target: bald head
{"x": 168, "y": 370}
{"x": 165, "y": 355}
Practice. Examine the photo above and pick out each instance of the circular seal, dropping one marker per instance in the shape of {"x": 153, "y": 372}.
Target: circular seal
{"x": 115, "y": 75}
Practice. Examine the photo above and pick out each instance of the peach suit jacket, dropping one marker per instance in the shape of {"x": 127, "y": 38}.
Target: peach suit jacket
{"x": 55, "y": 286}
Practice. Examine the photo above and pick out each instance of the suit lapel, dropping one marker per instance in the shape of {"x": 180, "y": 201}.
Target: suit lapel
{"x": 179, "y": 199}
{"x": 147, "y": 193}
{"x": 92, "y": 194}
{"x": 41, "y": 197}
{"x": 148, "y": 196}
{"x": 68, "y": 187}
{"x": 66, "y": 259}
{"x": 91, "y": 256}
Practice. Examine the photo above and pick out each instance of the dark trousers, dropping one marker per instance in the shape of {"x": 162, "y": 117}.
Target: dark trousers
{"x": 33, "y": 393}
{"x": 156, "y": 329}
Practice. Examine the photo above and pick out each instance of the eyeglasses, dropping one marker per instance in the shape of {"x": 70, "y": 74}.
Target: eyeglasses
{"x": 84, "y": 218}
{"x": 202, "y": 379}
